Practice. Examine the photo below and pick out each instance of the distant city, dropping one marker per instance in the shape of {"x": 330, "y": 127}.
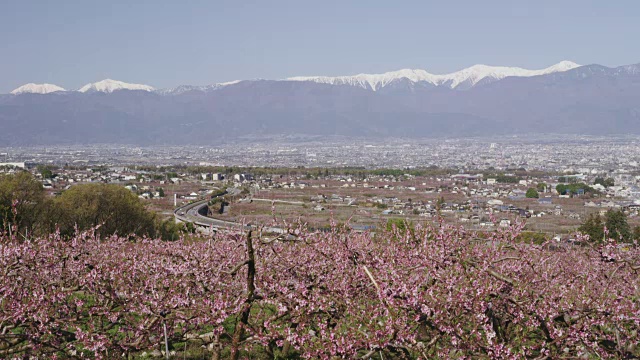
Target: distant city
{"x": 551, "y": 153}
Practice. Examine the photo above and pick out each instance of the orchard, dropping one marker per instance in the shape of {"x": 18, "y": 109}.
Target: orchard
{"x": 416, "y": 293}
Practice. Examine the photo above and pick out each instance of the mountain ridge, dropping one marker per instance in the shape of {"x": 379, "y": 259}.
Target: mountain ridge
{"x": 587, "y": 100}
{"x": 469, "y": 76}
{"x": 472, "y": 75}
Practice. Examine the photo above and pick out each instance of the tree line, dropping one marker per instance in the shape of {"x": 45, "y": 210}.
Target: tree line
{"x": 613, "y": 225}
{"x": 26, "y": 208}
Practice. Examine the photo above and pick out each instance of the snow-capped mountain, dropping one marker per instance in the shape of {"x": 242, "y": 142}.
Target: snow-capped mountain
{"x": 32, "y": 88}
{"x": 187, "y": 88}
{"x": 461, "y": 79}
{"x": 109, "y": 86}
{"x": 590, "y": 99}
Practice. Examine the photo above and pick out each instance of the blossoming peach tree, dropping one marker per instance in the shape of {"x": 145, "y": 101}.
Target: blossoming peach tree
{"x": 428, "y": 292}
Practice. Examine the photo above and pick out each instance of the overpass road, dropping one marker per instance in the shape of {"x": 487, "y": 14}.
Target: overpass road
{"x": 196, "y": 213}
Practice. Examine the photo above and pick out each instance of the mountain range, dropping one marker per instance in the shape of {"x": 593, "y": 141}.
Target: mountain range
{"x": 462, "y": 79}
{"x": 480, "y": 100}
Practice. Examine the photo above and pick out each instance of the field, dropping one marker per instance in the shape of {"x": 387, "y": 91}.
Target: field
{"x": 370, "y": 204}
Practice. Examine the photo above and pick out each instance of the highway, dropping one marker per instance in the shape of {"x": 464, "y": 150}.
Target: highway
{"x": 195, "y": 213}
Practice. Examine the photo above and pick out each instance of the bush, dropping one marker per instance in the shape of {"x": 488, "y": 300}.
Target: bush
{"x": 615, "y": 222}
{"x": 507, "y": 179}
{"x": 604, "y": 182}
{"x": 532, "y": 193}
{"x": 170, "y": 230}
{"x": 401, "y": 224}
{"x": 530, "y": 237}
{"x": 112, "y": 207}
{"x": 573, "y": 189}
{"x": 22, "y": 203}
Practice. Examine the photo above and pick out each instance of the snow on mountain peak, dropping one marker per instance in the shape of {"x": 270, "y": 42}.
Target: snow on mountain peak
{"x": 233, "y": 82}
{"x": 32, "y": 88}
{"x": 187, "y": 88}
{"x": 109, "y": 86}
{"x": 462, "y": 79}
{"x": 469, "y": 76}
{"x": 369, "y": 81}
{"x": 561, "y": 66}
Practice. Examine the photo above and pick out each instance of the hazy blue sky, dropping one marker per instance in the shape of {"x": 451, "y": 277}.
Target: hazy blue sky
{"x": 164, "y": 44}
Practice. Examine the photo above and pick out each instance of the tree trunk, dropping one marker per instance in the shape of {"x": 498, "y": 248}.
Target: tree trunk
{"x": 246, "y": 310}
